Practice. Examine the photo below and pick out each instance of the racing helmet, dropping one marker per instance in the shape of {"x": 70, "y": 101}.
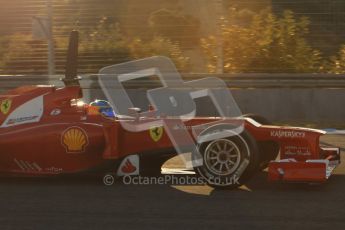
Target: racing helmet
{"x": 104, "y": 108}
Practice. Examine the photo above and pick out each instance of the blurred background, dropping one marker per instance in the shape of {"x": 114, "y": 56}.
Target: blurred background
{"x": 282, "y": 59}
{"x": 201, "y": 36}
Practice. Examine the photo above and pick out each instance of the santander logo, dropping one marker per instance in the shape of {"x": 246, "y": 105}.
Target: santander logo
{"x": 128, "y": 167}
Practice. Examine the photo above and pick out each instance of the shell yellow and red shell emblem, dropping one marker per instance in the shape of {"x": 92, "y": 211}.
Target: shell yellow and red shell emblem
{"x": 75, "y": 140}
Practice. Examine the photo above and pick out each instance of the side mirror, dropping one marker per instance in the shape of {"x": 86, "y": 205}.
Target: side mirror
{"x": 134, "y": 112}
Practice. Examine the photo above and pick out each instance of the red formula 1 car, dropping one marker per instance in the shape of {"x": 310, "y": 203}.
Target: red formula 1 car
{"x": 45, "y": 130}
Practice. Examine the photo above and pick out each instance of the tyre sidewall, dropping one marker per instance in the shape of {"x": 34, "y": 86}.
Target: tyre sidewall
{"x": 246, "y": 168}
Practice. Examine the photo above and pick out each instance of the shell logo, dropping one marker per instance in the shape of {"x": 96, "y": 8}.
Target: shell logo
{"x": 75, "y": 140}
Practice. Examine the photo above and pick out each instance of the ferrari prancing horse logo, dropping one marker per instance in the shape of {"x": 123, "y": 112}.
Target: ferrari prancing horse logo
{"x": 5, "y": 106}
{"x": 156, "y": 133}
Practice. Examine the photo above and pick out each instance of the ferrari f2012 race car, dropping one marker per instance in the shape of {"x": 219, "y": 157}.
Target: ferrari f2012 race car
{"x": 46, "y": 130}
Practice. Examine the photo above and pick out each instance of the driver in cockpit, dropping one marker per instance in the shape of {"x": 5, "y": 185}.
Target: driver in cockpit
{"x": 103, "y": 107}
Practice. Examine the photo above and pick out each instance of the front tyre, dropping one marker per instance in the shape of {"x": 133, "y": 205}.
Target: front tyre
{"x": 228, "y": 162}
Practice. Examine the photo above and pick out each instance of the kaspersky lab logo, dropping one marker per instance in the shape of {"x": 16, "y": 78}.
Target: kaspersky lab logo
{"x": 287, "y": 134}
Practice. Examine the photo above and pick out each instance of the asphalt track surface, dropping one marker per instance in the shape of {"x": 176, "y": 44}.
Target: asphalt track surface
{"x": 84, "y": 203}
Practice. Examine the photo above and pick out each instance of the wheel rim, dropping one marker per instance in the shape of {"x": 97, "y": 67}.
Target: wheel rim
{"x": 222, "y": 157}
